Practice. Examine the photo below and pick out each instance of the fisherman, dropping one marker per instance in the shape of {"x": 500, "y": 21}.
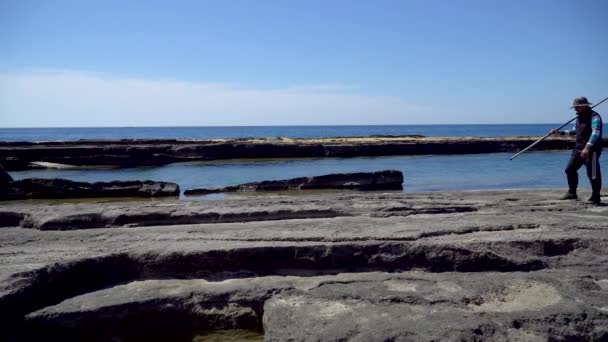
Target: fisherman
{"x": 587, "y": 150}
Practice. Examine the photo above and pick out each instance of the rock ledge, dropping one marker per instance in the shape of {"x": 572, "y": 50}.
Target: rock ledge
{"x": 38, "y": 188}
{"x": 380, "y": 180}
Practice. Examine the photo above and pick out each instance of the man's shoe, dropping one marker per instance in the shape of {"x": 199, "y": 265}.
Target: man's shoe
{"x": 569, "y": 196}
{"x": 595, "y": 199}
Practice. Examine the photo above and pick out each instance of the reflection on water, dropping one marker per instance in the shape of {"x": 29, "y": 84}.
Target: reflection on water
{"x": 422, "y": 173}
{"x": 237, "y": 335}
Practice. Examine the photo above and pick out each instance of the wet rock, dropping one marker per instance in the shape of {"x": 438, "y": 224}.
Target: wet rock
{"x": 38, "y": 188}
{"x": 5, "y": 178}
{"x": 380, "y": 180}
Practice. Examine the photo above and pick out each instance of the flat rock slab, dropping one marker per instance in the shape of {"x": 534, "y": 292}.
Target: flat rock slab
{"x": 492, "y": 265}
{"x": 442, "y": 307}
{"x": 411, "y": 306}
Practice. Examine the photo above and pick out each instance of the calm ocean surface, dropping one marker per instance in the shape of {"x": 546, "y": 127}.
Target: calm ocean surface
{"x": 50, "y": 134}
{"x": 422, "y": 173}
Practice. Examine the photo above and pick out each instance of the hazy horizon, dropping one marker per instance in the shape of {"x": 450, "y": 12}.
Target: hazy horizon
{"x": 215, "y": 64}
{"x": 245, "y": 126}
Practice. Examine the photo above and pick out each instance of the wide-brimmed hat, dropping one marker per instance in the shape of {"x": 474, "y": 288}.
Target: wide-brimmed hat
{"x": 580, "y": 101}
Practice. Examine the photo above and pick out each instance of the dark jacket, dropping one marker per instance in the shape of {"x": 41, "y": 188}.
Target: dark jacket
{"x": 583, "y": 131}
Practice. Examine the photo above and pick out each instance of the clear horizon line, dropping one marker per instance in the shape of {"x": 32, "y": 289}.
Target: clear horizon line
{"x": 312, "y": 125}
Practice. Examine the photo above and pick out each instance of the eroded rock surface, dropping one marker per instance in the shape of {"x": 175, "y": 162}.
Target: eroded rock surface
{"x": 379, "y": 180}
{"x": 492, "y": 266}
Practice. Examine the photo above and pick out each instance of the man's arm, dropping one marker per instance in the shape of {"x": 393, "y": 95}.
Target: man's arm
{"x": 596, "y": 123}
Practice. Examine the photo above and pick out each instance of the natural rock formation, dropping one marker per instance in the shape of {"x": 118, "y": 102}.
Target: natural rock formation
{"x": 62, "y": 188}
{"x": 131, "y": 153}
{"x": 379, "y": 180}
{"x": 418, "y": 306}
{"x": 87, "y": 216}
{"x": 491, "y": 266}
{"x": 5, "y": 178}
{"x": 371, "y": 306}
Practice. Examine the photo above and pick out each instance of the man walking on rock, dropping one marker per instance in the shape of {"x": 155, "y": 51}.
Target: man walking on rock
{"x": 587, "y": 150}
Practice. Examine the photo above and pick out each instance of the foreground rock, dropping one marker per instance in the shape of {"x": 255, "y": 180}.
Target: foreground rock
{"x": 410, "y": 306}
{"x": 38, "y": 188}
{"x": 492, "y": 266}
{"x": 380, "y": 180}
{"x": 131, "y": 153}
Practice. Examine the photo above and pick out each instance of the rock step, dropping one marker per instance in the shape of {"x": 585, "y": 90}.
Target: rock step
{"x": 372, "y": 306}
{"x": 107, "y": 220}
{"x": 113, "y": 215}
{"x": 36, "y": 289}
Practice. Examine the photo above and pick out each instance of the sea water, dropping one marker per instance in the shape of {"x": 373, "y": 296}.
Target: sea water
{"x": 233, "y": 132}
{"x": 531, "y": 170}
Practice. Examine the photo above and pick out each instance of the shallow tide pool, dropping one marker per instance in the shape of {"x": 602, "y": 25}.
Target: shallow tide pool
{"x": 422, "y": 173}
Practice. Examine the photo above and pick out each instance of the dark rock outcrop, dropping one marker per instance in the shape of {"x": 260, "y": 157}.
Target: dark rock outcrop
{"x": 62, "y": 188}
{"x": 5, "y": 178}
{"x": 156, "y": 152}
{"x": 380, "y": 180}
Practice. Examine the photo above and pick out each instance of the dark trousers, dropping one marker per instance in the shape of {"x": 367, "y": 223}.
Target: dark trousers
{"x": 593, "y": 171}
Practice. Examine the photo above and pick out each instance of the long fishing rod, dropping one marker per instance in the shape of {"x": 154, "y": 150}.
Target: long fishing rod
{"x": 546, "y": 136}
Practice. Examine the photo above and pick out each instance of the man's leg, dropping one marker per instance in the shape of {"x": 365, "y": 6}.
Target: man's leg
{"x": 574, "y": 164}
{"x": 595, "y": 175}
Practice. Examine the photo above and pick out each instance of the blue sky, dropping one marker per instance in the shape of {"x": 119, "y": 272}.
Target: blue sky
{"x": 151, "y": 63}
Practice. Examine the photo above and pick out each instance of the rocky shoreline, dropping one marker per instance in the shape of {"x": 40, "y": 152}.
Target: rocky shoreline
{"x": 131, "y": 153}
{"x": 57, "y": 188}
{"x": 481, "y": 265}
